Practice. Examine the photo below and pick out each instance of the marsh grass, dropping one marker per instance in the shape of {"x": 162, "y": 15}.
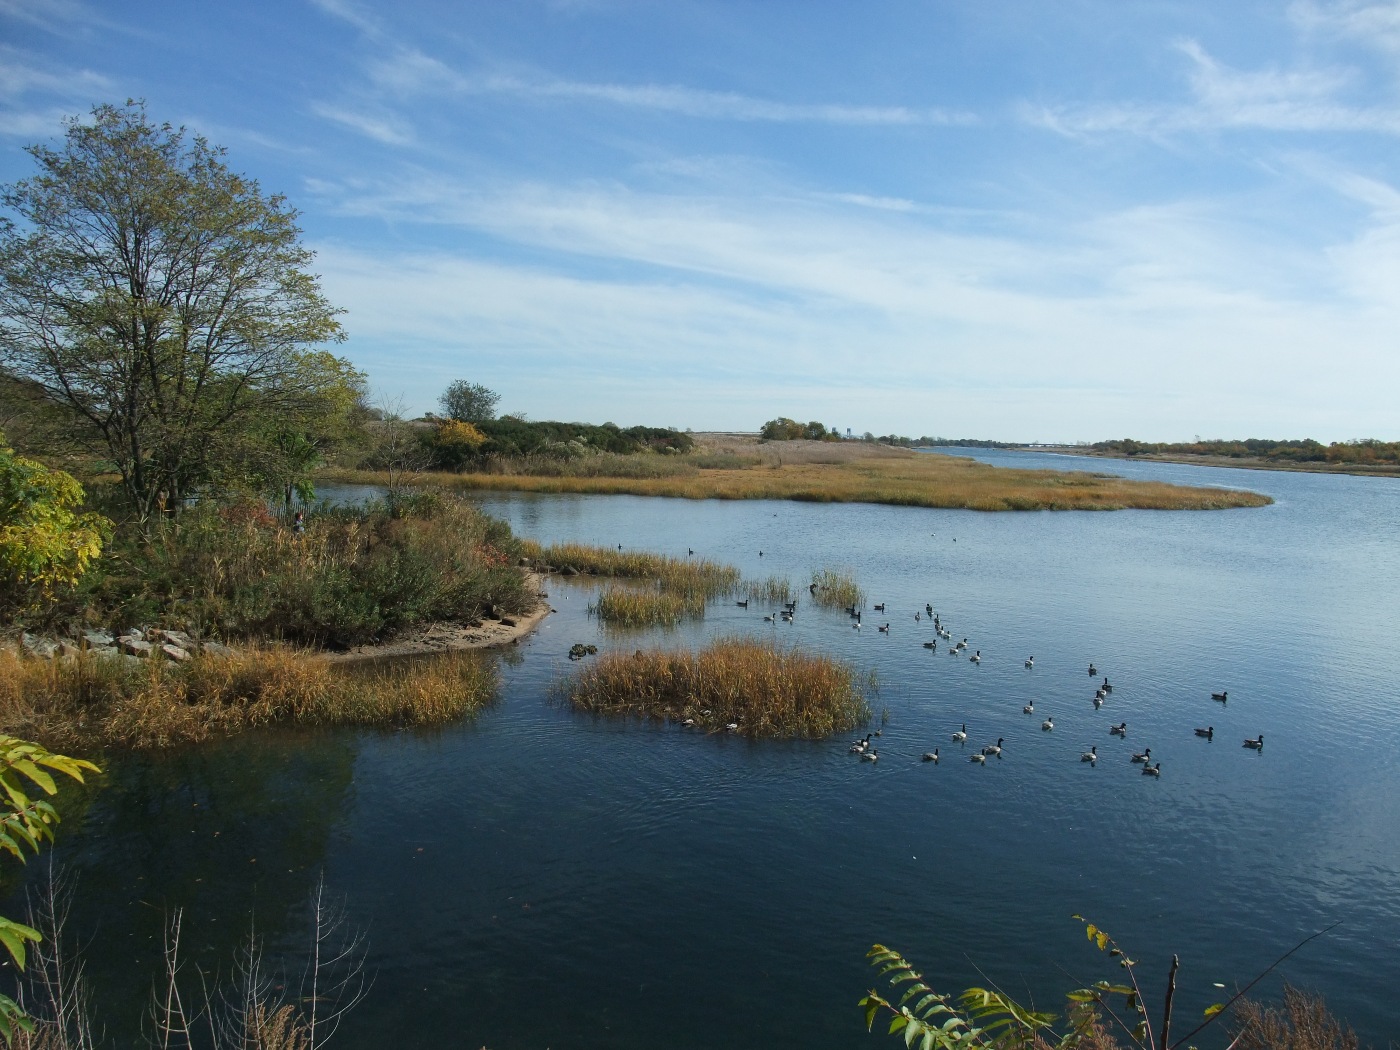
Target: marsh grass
{"x": 768, "y": 689}
{"x": 836, "y": 589}
{"x": 773, "y": 589}
{"x": 622, "y": 606}
{"x": 858, "y": 472}
{"x": 156, "y": 703}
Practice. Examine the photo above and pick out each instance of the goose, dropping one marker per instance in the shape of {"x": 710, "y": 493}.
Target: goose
{"x": 732, "y": 727}
{"x": 690, "y": 550}
{"x": 928, "y": 608}
{"x": 1145, "y": 756}
{"x": 1121, "y": 729}
{"x": 1092, "y": 755}
{"x": 976, "y": 657}
{"x": 918, "y": 617}
{"x": 931, "y": 645}
{"x": 855, "y": 626}
{"x": 1106, "y": 687}
{"x": 960, "y": 737}
{"x": 768, "y": 619}
{"x": 1048, "y": 724}
{"x": 857, "y": 746}
{"x": 1030, "y": 662}
{"x": 880, "y": 607}
{"x": 870, "y": 756}
{"x": 743, "y": 604}
{"x": 1101, "y": 694}
{"x": 1222, "y": 697}
{"x": 1093, "y": 671}
{"x": 1029, "y": 709}
{"x": 1152, "y": 771}
{"x": 953, "y": 650}
{"x": 812, "y": 588}
{"x": 885, "y": 629}
{"x": 1208, "y": 732}
{"x": 931, "y": 756}
{"x": 1098, "y": 702}
{"x": 688, "y": 723}
{"x": 994, "y": 749}
{"x": 962, "y": 644}
{"x": 979, "y": 758}
{"x": 1257, "y": 743}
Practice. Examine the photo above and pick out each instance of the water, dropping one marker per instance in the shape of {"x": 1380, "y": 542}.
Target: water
{"x": 535, "y": 878}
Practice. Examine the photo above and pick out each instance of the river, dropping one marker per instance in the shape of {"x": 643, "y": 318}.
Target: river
{"x": 535, "y": 878}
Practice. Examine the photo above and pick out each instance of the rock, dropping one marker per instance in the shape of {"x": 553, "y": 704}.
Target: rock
{"x": 178, "y": 638}
{"x": 67, "y": 648}
{"x": 215, "y": 649}
{"x": 175, "y": 653}
{"x": 136, "y": 647}
{"x": 508, "y": 621}
{"x": 97, "y": 639}
{"x": 105, "y": 651}
{"x": 33, "y": 645}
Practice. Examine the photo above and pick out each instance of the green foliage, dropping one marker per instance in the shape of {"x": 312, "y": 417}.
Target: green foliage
{"x": 45, "y": 544}
{"x": 26, "y": 823}
{"x": 166, "y": 303}
{"x": 1297, "y": 450}
{"x": 469, "y": 402}
{"x": 784, "y": 429}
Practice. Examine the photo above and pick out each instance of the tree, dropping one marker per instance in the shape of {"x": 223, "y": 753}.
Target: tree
{"x": 163, "y": 300}
{"x": 469, "y": 402}
{"x": 44, "y": 543}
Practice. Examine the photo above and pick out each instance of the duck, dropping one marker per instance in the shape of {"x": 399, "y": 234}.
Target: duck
{"x": 857, "y": 746}
{"x": 1208, "y": 732}
{"x": 1093, "y": 671}
{"x": 979, "y": 758}
{"x": 1257, "y": 743}
{"x": 976, "y": 657}
{"x": 994, "y": 749}
{"x": 1152, "y": 771}
{"x": 870, "y": 756}
{"x": 1092, "y": 755}
{"x": 1222, "y": 697}
{"x": 960, "y": 737}
{"x": 1030, "y": 662}
{"x": 931, "y": 756}
{"x": 1048, "y": 724}
{"x": 1121, "y": 729}
{"x": 1029, "y": 708}
{"x": 1145, "y": 756}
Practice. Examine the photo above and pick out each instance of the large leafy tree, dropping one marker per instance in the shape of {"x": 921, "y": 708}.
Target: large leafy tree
{"x": 165, "y": 301}
{"x": 469, "y": 402}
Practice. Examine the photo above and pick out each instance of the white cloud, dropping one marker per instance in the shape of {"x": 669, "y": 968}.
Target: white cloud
{"x": 382, "y": 127}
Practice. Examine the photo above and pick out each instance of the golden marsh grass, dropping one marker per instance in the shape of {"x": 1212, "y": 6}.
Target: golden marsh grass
{"x": 836, "y": 589}
{"x": 156, "y": 703}
{"x": 773, "y": 589}
{"x": 766, "y": 689}
{"x": 619, "y": 606}
{"x": 857, "y": 472}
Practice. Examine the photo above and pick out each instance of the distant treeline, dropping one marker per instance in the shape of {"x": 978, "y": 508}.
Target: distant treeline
{"x": 784, "y": 429}
{"x": 1305, "y": 450}
{"x": 454, "y": 445}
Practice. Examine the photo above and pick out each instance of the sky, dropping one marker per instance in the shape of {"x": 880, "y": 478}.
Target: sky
{"x": 1025, "y": 221}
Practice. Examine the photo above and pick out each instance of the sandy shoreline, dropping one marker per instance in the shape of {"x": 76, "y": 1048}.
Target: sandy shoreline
{"x": 451, "y": 637}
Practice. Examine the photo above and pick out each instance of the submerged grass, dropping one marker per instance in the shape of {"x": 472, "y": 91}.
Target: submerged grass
{"x": 857, "y": 472}
{"x": 767, "y": 689}
{"x": 836, "y": 589}
{"x": 155, "y": 703}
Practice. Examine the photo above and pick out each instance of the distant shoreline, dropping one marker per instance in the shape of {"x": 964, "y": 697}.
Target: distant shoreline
{"x": 1379, "y": 470}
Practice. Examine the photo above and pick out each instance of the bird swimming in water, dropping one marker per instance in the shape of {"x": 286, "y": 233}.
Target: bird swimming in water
{"x": 931, "y": 756}
{"x": 1208, "y": 732}
{"x": 1092, "y": 755}
{"x": 1257, "y": 744}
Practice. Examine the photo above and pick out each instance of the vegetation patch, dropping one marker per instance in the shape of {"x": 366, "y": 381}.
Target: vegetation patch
{"x": 762, "y": 688}
{"x": 87, "y": 700}
{"x": 836, "y": 589}
{"x": 622, "y": 606}
{"x": 772, "y": 589}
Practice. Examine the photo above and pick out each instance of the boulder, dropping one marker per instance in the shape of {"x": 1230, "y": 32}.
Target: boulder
{"x": 135, "y": 646}
{"x": 97, "y": 639}
{"x": 215, "y": 649}
{"x": 174, "y": 652}
{"x": 178, "y": 638}
{"x": 33, "y": 645}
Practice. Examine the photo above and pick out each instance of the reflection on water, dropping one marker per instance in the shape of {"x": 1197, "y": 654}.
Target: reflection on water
{"x": 537, "y": 878}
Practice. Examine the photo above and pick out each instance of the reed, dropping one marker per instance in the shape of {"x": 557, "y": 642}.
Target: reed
{"x": 683, "y": 576}
{"x": 155, "y": 703}
{"x": 767, "y": 689}
{"x": 619, "y": 606}
{"x": 772, "y": 590}
{"x": 836, "y": 589}
{"x": 854, "y": 472}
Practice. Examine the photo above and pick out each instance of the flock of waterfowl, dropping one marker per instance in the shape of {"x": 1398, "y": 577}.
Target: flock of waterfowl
{"x": 868, "y": 752}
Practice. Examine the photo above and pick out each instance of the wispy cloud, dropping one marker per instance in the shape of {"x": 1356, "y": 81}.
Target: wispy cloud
{"x": 1373, "y": 24}
{"x": 35, "y": 97}
{"x": 381, "y": 126}
{"x": 1297, "y": 100}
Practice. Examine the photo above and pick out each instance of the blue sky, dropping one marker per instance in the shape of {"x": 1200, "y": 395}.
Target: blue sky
{"x": 1027, "y": 221}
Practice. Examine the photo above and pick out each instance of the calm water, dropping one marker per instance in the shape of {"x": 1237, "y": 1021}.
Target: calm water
{"x": 539, "y": 879}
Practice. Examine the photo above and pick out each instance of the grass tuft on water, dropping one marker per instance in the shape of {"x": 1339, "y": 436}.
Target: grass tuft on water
{"x": 620, "y": 606}
{"x": 774, "y": 589}
{"x": 155, "y": 703}
{"x": 766, "y": 689}
{"x": 836, "y": 589}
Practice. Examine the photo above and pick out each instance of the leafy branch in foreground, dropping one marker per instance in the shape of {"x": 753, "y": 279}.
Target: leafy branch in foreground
{"x": 982, "y": 1017}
